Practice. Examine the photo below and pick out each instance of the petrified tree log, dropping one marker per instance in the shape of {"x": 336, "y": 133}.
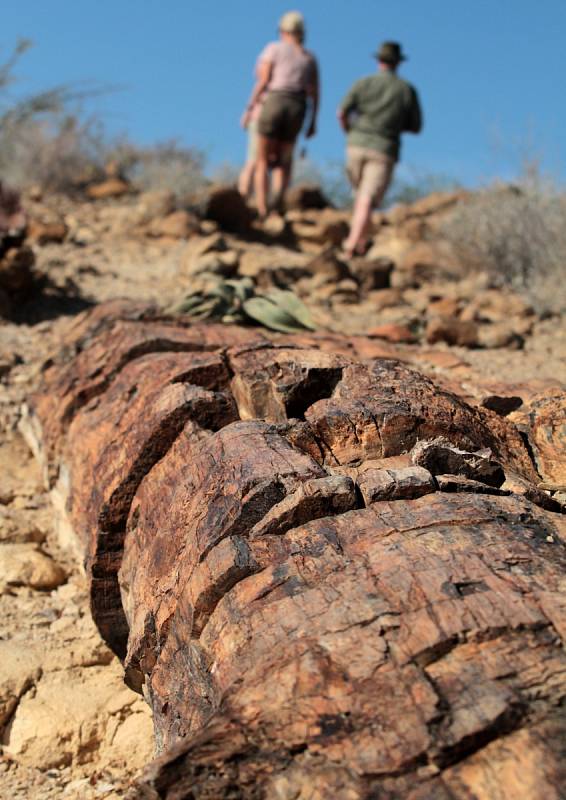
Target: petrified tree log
{"x": 307, "y": 614}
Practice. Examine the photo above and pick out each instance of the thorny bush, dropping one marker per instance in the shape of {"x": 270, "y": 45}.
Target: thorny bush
{"x": 517, "y": 233}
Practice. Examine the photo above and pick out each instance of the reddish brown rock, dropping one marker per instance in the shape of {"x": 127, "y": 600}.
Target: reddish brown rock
{"x": 289, "y": 640}
{"x": 47, "y": 232}
{"x": 393, "y": 333}
{"x": 16, "y": 270}
{"x": 349, "y": 601}
{"x": 66, "y": 389}
{"x": 280, "y": 384}
{"x": 328, "y": 227}
{"x": 119, "y": 441}
{"x": 13, "y": 218}
{"x": 224, "y": 205}
{"x": 206, "y": 506}
{"x": 305, "y": 196}
{"x": 372, "y": 274}
{"x": 383, "y": 409}
{"x": 112, "y": 187}
{"x": 452, "y": 331}
{"x": 395, "y": 484}
{"x": 177, "y": 225}
{"x": 547, "y": 414}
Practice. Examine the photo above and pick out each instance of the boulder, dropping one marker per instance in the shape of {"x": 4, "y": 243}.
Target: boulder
{"x": 110, "y": 188}
{"x": 74, "y": 718}
{"x": 393, "y": 332}
{"x": 372, "y": 274}
{"x": 20, "y": 669}
{"x": 13, "y": 219}
{"x": 176, "y": 225}
{"x": 27, "y": 565}
{"x": 47, "y": 232}
{"x": 452, "y": 331}
{"x": 327, "y": 227}
{"x": 17, "y": 275}
{"x": 304, "y": 196}
{"x": 225, "y": 205}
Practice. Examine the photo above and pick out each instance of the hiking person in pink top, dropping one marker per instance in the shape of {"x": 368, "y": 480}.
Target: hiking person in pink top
{"x": 246, "y": 177}
{"x": 287, "y": 79}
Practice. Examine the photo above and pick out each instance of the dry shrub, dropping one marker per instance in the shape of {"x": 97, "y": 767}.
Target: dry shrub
{"x": 46, "y": 140}
{"x": 517, "y": 233}
{"x": 60, "y": 154}
{"x": 65, "y": 153}
{"x": 167, "y": 165}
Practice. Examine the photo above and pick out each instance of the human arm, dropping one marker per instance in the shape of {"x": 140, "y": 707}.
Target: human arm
{"x": 313, "y": 92}
{"x": 348, "y": 104}
{"x": 264, "y": 71}
{"x": 414, "y": 121}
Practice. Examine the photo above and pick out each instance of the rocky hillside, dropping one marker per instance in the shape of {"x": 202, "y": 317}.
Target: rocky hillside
{"x": 332, "y": 556}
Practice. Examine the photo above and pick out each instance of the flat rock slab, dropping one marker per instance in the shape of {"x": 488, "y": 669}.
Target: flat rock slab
{"x": 305, "y": 611}
{"x": 395, "y": 484}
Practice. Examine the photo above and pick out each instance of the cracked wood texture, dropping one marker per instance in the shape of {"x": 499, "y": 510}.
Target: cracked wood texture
{"x": 303, "y": 623}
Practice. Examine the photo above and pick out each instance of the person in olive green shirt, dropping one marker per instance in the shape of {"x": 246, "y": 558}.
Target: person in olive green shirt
{"x": 374, "y": 114}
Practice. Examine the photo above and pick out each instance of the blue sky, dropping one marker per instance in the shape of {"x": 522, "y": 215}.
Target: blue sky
{"x": 490, "y": 73}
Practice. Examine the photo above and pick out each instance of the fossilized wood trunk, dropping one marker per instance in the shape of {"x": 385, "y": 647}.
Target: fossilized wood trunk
{"x": 307, "y": 614}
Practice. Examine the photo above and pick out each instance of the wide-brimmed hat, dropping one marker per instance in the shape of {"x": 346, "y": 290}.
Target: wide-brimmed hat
{"x": 390, "y": 53}
{"x": 292, "y": 22}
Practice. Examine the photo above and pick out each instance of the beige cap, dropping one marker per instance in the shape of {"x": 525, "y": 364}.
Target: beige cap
{"x": 292, "y": 22}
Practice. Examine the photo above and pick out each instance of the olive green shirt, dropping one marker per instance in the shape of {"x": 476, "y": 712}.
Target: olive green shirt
{"x": 379, "y": 109}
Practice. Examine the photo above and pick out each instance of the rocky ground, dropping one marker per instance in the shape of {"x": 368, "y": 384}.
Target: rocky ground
{"x": 70, "y": 728}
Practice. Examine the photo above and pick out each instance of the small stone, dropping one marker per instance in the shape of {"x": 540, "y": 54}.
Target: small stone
{"x": 395, "y": 484}
{"x": 446, "y": 307}
{"x": 27, "y": 565}
{"x": 502, "y": 405}
{"x": 499, "y": 335}
{"x": 372, "y": 274}
{"x": 441, "y": 457}
{"x": 6, "y": 496}
{"x": 398, "y": 334}
{"x": 113, "y": 187}
{"x": 47, "y": 232}
{"x": 83, "y": 236}
{"x": 177, "y": 225}
{"x": 452, "y": 331}
{"x": 304, "y": 196}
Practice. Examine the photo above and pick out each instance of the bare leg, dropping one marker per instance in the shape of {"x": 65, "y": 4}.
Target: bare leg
{"x": 261, "y": 178}
{"x": 245, "y": 181}
{"x": 282, "y": 173}
{"x": 361, "y": 219}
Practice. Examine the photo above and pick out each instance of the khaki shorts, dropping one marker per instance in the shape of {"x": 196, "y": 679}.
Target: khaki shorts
{"x": 370, "y": 172}
{"x": 282, "y": 116}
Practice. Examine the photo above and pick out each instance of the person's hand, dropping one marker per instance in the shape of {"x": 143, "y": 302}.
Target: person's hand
{"x": 311, "y": 131}
{"x": 343, "y": 120}
{"x": 245, "y": 118}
